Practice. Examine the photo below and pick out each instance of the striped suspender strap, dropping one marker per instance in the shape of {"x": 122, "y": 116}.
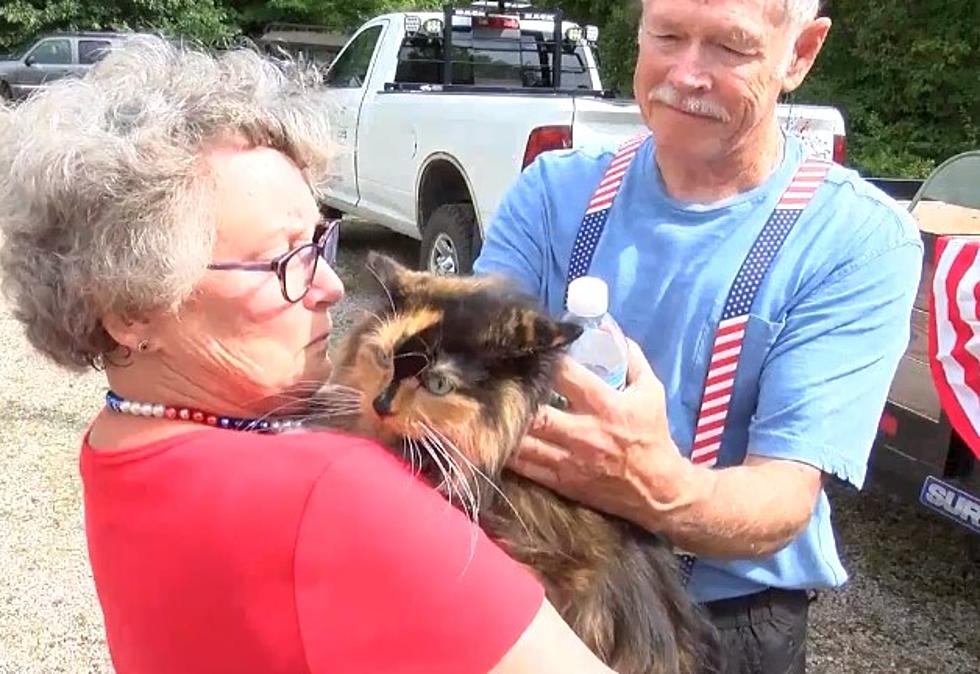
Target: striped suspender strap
{"x": 731, "y": 329}
{"x": 727, "y": 347}
{"x": 590, "y": 231}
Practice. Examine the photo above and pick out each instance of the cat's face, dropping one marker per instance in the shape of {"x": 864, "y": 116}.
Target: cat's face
{"x": 461, "y": 362}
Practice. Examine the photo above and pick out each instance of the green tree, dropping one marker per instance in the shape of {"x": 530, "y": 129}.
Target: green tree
{"x": 618, "y": 22}
{"x": 906, "y": 73}
{"x": 206, "y": 20}
{"x": 251, "y": 15}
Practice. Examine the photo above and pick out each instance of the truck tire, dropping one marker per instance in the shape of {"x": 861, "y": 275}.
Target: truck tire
{"x": 5, "y": 93}
{"x": 450, "y": 242}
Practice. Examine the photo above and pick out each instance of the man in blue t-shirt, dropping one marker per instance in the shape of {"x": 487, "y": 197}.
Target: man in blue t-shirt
{"x": 824, "y": 334}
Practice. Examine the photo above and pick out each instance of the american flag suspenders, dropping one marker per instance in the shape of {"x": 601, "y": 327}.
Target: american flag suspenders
{"x": 723, "y": 365}
{"x": 597, "y": 212}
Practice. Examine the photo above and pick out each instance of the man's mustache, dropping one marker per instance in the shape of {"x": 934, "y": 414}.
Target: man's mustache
{"x": 695, "y": 105}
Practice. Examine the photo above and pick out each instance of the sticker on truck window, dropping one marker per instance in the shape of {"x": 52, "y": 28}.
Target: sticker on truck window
{"x": 951, "y": 502}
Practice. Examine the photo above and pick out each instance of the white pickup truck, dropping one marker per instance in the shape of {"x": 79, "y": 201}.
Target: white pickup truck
{"x": 427, "y": 146}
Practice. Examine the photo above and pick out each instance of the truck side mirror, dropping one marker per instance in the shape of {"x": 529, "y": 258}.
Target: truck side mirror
{"x": 30, "y": 60}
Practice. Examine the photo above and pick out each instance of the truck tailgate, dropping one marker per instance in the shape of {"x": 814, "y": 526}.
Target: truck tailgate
{"x": 612, "y": 120}
{"x": 605, "y": 121}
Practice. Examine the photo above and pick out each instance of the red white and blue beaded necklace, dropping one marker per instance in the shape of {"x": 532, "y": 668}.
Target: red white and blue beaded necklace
{"x": 135, "y": 408}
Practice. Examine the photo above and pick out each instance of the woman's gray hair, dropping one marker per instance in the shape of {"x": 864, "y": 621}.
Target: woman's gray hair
{"x": 104, "y": 201}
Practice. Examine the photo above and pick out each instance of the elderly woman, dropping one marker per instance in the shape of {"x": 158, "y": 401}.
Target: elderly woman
{"x": 160, "y": 224}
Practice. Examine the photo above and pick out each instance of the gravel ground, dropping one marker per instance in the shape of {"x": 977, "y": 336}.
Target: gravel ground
{"x": 912, "y": 605}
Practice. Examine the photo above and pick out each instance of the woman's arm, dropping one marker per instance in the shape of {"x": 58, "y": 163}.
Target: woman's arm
{"x": 391, "y": 577}
{"x": 549, "y": 646}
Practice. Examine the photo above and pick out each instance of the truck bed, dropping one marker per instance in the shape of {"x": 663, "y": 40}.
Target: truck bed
{"x": 914, "y": 435}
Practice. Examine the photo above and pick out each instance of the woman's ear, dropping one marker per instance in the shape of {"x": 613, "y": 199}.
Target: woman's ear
{"x": 133, "y": 334}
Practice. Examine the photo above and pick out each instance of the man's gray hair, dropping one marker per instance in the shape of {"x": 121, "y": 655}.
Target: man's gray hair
{"x": 104, "y": 200}
{"x": 801, "y": 11}
{"x": 795, "y": 11}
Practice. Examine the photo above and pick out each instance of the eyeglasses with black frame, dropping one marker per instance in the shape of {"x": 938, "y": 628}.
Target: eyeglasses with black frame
{"x": 295, "y": 268}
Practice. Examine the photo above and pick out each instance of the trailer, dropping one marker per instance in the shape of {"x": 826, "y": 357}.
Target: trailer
{"x": 928, "y": 445}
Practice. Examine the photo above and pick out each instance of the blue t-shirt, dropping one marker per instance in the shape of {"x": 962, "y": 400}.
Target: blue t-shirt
{"x": 823, "y": 340}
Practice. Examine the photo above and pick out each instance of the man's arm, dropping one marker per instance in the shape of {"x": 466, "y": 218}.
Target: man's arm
{"x": 822, "y": 390}
{"x": 516, "y": 239}
{"x": 752, "y": 510}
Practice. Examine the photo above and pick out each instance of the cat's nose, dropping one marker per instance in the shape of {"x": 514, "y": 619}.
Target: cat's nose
{"x": 382, "y": 404}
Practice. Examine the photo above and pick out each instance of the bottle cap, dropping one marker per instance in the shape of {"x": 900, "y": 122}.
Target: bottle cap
{"x": 588, "y": 296}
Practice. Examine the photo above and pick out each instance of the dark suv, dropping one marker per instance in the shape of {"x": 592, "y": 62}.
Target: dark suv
{"x": 51, "y": 57}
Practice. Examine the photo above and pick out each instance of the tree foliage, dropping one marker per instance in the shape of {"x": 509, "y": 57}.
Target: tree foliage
{"x": 208, "y": 21}
{"x": 334, "y": 14}
{"x": 905, "y": 73}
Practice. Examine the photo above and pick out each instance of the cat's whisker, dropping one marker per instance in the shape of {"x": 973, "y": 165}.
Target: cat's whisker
{"x": 338, "y": 391}
{"x": 442, "y": 441}
{"x": 335, "y": 404}
{"x": 391, "y": 300}
{"x": 469, "y": 502}
{"x": 410, "y": 446}
{"x": 468, "y": 484}
{"x": 463, "y": 486}
{"x": 436, "y": 440}
{"x": 424, "y": 355}
{"x": 367, "y": 313}
{"x": 333, "y": 395}
{"x": 485, "y": 477}
{"x": 442, "y": 469}
{"x": 474, "y": 498}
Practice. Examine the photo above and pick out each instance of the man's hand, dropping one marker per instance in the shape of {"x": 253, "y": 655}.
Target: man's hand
{"x": 611, "y": 450}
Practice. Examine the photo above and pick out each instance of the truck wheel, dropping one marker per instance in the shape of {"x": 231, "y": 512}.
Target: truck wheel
{"x": 5, "y": 93}
{"x": 449, "y": 242}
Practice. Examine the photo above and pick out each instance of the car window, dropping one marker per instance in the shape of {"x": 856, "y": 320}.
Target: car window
{"x": 350, "y": 69}
{"x": 18, "y": 51}
{"x": 519, "y": 62}
{"x": 92, "y": 51}
{"x": 52, "y": 52}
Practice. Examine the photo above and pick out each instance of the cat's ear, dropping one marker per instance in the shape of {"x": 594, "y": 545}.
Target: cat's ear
{"x": 388, "y": 271}
{"x": 534, "y": 332}
{"x": 551, "y": 334}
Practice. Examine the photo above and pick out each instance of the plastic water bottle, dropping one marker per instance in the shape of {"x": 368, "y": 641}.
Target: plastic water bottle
{"x": 602, "y": 346}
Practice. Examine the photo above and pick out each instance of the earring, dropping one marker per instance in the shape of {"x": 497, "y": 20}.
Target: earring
{"x": 143, "y": 345}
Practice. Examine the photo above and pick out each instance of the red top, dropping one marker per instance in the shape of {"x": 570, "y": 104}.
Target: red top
{"x": 219, "y": 551}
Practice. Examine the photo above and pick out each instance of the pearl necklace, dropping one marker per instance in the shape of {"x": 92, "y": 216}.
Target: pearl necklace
{"x": 141, "y": 409}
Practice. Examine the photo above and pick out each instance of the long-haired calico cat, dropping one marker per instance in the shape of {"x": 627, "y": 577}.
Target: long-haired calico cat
{"x": 450, "y": 374}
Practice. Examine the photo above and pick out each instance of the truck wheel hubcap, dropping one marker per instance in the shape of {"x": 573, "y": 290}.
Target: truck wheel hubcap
{"x": 443, "y": 259}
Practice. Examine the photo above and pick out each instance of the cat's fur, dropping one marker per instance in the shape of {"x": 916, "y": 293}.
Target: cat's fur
{"x": 616, "y": 584}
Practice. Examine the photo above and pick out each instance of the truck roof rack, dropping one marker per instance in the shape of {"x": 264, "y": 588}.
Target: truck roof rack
{"x": 502, "y": 10}
{"x": 486, "y": 8}
{"x": 500, "y": 5}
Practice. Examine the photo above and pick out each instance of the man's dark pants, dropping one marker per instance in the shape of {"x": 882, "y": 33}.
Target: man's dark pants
{"x": 763, "y": 633}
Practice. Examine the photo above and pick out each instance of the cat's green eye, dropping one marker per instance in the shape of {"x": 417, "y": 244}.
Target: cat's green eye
{"x": 437, "y": 384}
